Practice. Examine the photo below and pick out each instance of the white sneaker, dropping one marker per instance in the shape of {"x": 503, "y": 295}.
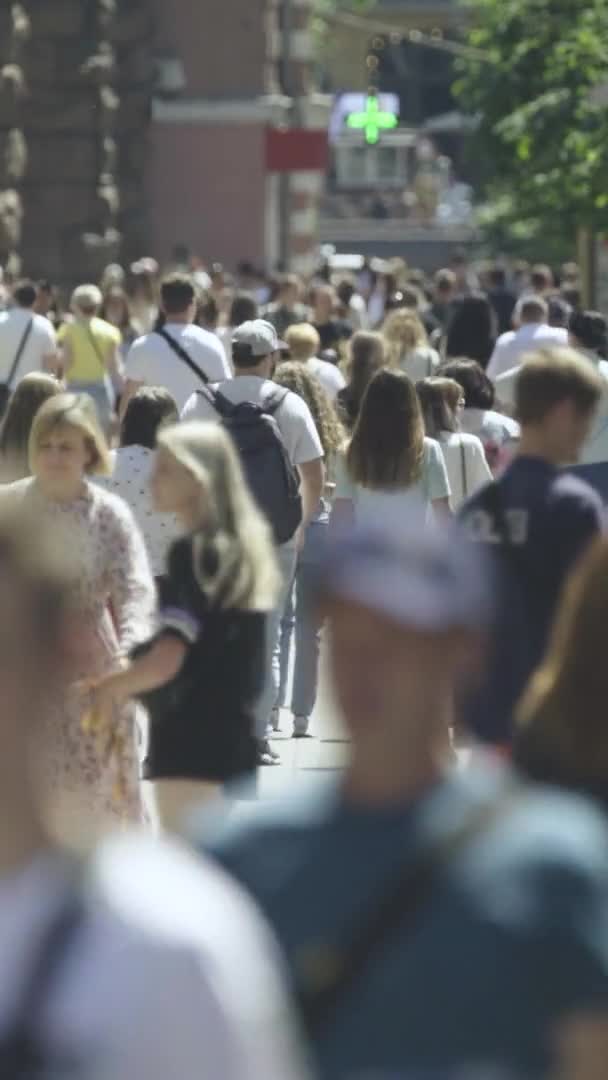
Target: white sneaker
{"x": 300, "y": 727}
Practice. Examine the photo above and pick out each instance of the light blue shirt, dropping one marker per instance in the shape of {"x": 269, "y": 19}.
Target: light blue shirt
{"x": 433, "y": 484}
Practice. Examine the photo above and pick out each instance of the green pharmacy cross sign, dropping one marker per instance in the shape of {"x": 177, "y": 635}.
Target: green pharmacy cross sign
{"x": 373, "y": 120}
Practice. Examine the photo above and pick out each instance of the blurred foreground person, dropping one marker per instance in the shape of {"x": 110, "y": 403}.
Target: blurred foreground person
{"x": 438, "y": 923}
{"x": 537, "y": 521}
{"x": 138, "y": 964}
{"x": 562, "y": 736}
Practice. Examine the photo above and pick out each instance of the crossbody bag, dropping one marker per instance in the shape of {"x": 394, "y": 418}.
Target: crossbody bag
{"x": 183, "y": 356}
{"x": 6, "y": 388}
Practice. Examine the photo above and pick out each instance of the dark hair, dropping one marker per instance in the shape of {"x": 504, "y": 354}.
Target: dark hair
{"x": 541, "y": 277}
{"x": 497, "y": 276}
{"x": 573, "y": 296}
{"x": 532, "y": 309}
{"x": 472, "y": 329}
{"x": 243, "y": 356}
{"x": 367, "y": 356}
{"x": 550, "y": 377}
{"x": 438, "y": 398}
{"x": 559, "y": 312}
{"x": 242, "y": 309}
{"x": 477, "y": 387}
{"x": 387, "y": 447}
{"x": 150, "y": 408}
{"x": 25, "y": 294}
{"x": 177, "y": 293}
{"x": 590, "y": 330}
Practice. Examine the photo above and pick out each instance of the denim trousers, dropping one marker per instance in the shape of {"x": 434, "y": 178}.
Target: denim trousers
{"x": 300, "y": 619}
{"x": 269, "y": 698}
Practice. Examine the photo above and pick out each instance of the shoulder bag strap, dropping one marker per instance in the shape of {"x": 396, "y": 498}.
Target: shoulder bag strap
{"x": 95, "y": 344}
{"x": 327, "y": 975}
{"x": 183, "y": 355}
{"x": 463, "y": 469}
{"x": 24, "y": 340}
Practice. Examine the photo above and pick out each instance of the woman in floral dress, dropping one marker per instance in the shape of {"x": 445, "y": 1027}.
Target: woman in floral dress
{"x": 90, "y": 778}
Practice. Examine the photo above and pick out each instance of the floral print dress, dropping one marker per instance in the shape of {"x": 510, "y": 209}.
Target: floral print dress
{"x": 114, "y": 606}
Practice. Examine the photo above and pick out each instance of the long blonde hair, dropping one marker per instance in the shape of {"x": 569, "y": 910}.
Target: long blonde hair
{"x": 564, "y": 707}
{"x": 403, "y": 332}
{"x": 234, "y": 558}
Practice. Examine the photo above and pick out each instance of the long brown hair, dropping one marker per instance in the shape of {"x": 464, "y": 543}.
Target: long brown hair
{"x": 294, "y": 376}
{"x": 387, "y": 447}
{"x": 30, "y": 394}
{"x": 564, "y": 707}
{"x": 366, "y": 357}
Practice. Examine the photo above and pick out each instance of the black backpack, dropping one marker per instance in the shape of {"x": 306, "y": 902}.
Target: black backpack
{"x": 272, "y": 479}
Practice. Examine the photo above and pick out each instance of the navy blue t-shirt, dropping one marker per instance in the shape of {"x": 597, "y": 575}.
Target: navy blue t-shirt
{"x": 551, "y": 518}
{"x": 513, "y": 938}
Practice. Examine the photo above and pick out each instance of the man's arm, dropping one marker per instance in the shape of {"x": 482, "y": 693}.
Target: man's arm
{"x": 312, "y": 477}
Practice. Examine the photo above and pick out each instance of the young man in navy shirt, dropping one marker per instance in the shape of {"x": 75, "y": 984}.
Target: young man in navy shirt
{"x": 536, "y": 520}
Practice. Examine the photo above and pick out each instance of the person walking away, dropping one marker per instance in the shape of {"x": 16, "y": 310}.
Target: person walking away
{"x": 85, "y": 946}
{"x": 389, "y": 462}
{"x": 27, "y": 342}
{"x": 561, "y": 735}
{"x": 148, "y": 411}
{"x": 367, "y": 354}
{"x": 30, "y": 394}
{"x": 180, "y": 357}
{"x": 92, "y": 774}
{"x": 116, "y": 310}
{"x": 286, "y": 310}
{"x": 407, "y": 346}
{"x": 588, "y": 333}
{"x": 304, "y": 343}
{"x": 501, "y": 298}
{"x": 90, "y": 349}
{"x": 442, "y": 401}
{"x": 471, "y": 331}
{"x": 332, "y": 330}
{"x": 202, "y": 671}
{"x": 291, "y": 450}
{"x": 243, "y": 308}
{"x": 532, "y": 331}
{"x": 444, "y": 295}
{"x": 300, "y": 616}
{"x": 422, "y": 866}
{"x": 499, "y": 434}
{"x": 536, "y": 521}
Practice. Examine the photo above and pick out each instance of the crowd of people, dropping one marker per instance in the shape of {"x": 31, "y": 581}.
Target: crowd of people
{"x": 199, "y": 473}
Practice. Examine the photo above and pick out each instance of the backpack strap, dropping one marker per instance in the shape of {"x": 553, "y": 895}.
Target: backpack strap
{"x": 274, "y": 402}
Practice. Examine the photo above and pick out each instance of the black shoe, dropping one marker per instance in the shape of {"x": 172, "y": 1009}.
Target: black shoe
{"x": 266, "y": 755}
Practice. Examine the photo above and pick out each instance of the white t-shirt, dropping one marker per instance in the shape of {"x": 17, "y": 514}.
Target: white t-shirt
{"x": 42, "y": 342}
{"x": 466, "y": 463}
{"x": 511, "y": 346}
{"x": 152, "y": 361}
{"x": 595, "y": 449}
{"x": 293, "y": 416}
{"x": 171, "y": 975}
{"x": 130, "y": 479}
{"x": 370, "y": 503}
{"x": 499, "y": 434}
{"x": 420, "y": 363}
{"x": 330, "y": 376}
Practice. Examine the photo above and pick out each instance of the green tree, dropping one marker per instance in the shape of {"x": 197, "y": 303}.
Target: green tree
{"x": 542, "y": 141}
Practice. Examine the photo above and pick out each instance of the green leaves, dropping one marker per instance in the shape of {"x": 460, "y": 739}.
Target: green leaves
{"x": 542, "y": 139}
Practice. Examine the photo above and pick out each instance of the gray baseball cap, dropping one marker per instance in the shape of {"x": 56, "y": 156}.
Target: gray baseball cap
{"x": 422, "y": 577}
{"x": 260, "y": 336}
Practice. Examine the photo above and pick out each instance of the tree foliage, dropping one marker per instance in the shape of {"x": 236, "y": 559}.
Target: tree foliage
{"x": 543, "y": 135}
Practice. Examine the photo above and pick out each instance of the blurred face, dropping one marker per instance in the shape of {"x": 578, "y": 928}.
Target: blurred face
{"x": 175, "y": 490}
{"x": 115, "y": 310}
{"x": 61, "y": 460}
{"x": 324, "y": 306}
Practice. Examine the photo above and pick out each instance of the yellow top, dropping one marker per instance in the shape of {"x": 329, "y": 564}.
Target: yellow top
{"x": 87, "y": 365}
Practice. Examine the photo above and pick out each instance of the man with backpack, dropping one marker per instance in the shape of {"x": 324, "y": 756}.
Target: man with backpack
{"x": 282, "y": 457}
{"x": 536, "y": 520}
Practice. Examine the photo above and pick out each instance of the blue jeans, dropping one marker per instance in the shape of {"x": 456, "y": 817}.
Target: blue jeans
{"x": 269, "y": 698}
{"x": 300, "y": 617}
{"x": 99, "y": 392}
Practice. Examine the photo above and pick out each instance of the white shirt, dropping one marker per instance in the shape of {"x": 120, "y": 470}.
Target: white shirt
{"x": 172, "y": 976}
{"x": 466, "y": 463}
{"x": 42, "y": 342}
{"x": 511, "y": 346}
{"x": 420, "y": 363}
{"x": 293, "y": 416}
{"x": 330, "y": 376}
{"x": 133, "y": 466}
{"x": 152, "y": 361}
{"x": 372, "y": 504}
{"x": 595, "y": 449}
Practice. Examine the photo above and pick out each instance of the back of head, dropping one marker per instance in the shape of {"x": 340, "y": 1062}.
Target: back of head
{"x": 30, "y": 394}
{"x": 477, "y": 387}
{"x": 24, "y": 294}
{"x": 387, "y": 447}
{"x": 297, "y": 378}
{"x": 439, "y": 399}
{"x": 403, "y": 331}
{"x": 303, "y": 341}
{"x": 149, "y": 409}
{"x": 367, "y": 355}
{"x": 471, "y": 330}
{"x": 589, "y": 329}
{"x": 531, "y": 309}
{"x": 541, "y": 278}
{"x": 550, "y": 377}
{"x": 86, "y": 300}
{"x": 445, "y": 282}
{"x": 243, "y": 309}
{"x": 177, "y": 294}
{"x": 497, "y": 277}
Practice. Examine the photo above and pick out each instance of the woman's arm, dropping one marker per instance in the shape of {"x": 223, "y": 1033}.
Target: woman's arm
{"x": 115, "y": 368}
{"x": 155, "y": 668}
{"x": 132, "y": 593}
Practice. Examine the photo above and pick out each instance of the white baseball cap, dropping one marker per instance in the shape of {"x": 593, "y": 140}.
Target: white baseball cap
{"x": 260, "y": 336}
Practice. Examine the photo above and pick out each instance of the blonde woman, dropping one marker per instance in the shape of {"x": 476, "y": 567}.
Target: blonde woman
{"x": 201, "y": 675}
{"x": 90, "y": 346}
{"x": 113, "y": 603}
{"x": 304, "y": 345}
{"x": 407, "y": 345}
{"x": 30, "y": 394}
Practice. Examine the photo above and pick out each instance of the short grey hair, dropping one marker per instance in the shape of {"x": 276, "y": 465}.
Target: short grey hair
{"x": 87, "y": 299}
